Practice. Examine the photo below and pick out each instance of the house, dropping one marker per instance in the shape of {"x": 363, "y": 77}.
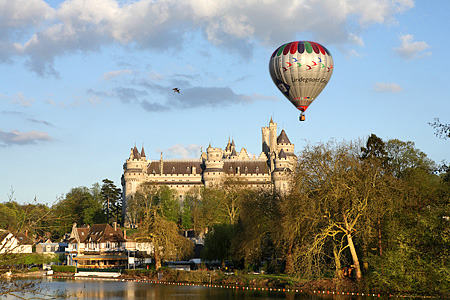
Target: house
{"x": 51, "y": 248}
{"x": 99, "y": 246}
{"x": 15, "y": 243}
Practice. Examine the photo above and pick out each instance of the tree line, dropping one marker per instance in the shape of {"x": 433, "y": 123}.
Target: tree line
{"x": 81, "y": 205}
{"x": 376, "y": 213}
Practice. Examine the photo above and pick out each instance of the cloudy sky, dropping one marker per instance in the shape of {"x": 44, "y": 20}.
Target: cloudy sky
{"x": 83, "y": 81}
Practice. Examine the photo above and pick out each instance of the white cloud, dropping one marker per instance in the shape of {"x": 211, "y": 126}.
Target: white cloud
{"x": 14, "y": 137}
{"x": 181, "y": 151}
{"x": 82, "y": 25}
{"x": 21, "y": 14}
{"x": 387, "y": 87}
{"x": 21, "y": 100}
{"x": 410, "y": 49}
{"x": 114, "y": 74}
{"x": 378, "y": 11}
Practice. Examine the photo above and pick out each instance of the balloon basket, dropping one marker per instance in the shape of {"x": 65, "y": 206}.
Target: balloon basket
{"x": 302, "y": 118}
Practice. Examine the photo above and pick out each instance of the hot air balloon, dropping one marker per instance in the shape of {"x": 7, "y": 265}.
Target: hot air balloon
{"x": 301, "y": 70}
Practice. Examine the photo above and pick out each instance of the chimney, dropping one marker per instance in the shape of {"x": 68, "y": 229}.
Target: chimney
{"x": 124, "y": 234}
{"x": 115, "y": 226}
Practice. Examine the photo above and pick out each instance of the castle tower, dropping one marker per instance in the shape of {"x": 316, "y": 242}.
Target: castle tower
{"x": 213, "y": 172}
{"x": 283, "y": 143}
{"x": 273, "y": 136}
{"x": 269, "y": 138}
{"x": 281, "y": 172}
{"x": 134, "y": 173}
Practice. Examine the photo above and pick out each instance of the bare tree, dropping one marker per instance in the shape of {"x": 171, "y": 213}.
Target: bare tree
{"x": 337, "y": 189}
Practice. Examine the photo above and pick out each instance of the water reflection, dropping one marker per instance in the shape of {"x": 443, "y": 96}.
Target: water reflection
{"x": 115, "y": 290}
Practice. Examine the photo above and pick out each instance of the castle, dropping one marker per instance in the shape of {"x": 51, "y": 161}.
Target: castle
{"x": 270, "y": 169}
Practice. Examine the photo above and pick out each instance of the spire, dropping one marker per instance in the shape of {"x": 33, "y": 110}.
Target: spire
{"x": 228, "y": 147}
{"x": 271, "y": 121}
{"x": 143, "y": 152}
{"x": 282, "y": 138}
{"x": 136, "y": 153}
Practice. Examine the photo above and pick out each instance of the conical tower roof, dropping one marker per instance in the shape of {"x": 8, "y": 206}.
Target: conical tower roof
{"x": 282, "y": 138}
{"x": 136, "y": 153}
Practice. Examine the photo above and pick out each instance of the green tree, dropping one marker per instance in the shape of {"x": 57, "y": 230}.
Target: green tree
{"x": 375, "y": 149}
{"x": 169, "y": 204}
{"x": 8, "y": 220}
{"x": 78, "y": 206}
{"x": 167, "y": 241}
{"x": 416, "y": 259}
{"x": 112, "y": 201}
{"x": 339, "y": 189}
{"x": 404, "y": 157}
{"x": 258, "y": 227}
{"x": 218, "y": 243}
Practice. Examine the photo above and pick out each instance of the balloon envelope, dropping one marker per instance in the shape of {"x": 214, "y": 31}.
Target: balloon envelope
{"x": 301, "y": 70}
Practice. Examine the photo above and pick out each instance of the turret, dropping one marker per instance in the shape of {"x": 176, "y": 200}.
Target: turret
{"x": 134, "y": 173}
{"x": 283, "y": 143}
{"x": 281, "y": 173}
{"x": 269, "y": 138}
{"x": 213, "y": 166}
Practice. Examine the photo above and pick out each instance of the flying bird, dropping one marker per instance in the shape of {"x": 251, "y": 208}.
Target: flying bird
{"x": 176, "y": 90}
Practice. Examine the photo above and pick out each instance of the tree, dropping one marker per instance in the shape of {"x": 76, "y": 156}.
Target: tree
{"x": 258, "y": 228}
{"x": 218, "y": 243}
{"x": 442, "y": 129}
{"x": 78, "y": 206}
{"x": 170, "y": 206}
{"x": 165, "y": 237}
{"x": 9, "y": 219}
{"x": 112, "y": 201}
{"x": 416, "y": 257}
{"x": 339, "y": 188}
{"x": 404, "y": 157}
{"x": 375, "y": 149}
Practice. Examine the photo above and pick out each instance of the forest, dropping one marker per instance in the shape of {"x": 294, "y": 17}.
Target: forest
{"x": 374, "y": 212}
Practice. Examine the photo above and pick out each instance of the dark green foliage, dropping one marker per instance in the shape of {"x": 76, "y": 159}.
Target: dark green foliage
{"x": 375, "y": 149}
{"x": 80, "y": 205}
{"x": 64, "y": 269}
{"x": 8, "y": 220}
{"x": 112, "y": 201}
{"x": 218, "y": 243}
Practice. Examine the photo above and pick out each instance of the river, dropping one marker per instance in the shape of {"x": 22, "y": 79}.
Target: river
{"x": 116, "y": 290}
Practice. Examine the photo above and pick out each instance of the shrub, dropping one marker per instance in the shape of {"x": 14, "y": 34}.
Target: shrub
{"x": 67, "y": 269}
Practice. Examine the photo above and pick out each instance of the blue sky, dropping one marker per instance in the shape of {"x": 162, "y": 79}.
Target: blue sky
{"x": 83, "y": 81}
